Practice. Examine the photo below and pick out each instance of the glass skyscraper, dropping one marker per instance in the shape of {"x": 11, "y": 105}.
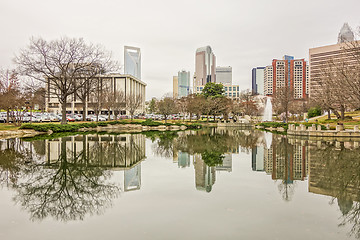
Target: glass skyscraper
{"x": 132, "y": 61}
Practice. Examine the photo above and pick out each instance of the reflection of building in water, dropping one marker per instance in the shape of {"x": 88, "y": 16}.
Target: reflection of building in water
{"x": 204, "y": 175}
{"x": 287, "y": 163}
{"x": 132, "y": 178}
{"x": 110, "y": 151}
{"x": 258, "y": 158}
{"x": 268, "y": 160}
{"x": 226, "y": 164}
{"x": 335, "y": 172}
{"x": 120, "y": 153}
{"x": 182, "y": 158}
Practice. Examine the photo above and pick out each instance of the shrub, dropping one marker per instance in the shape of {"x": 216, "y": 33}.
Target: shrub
{"x": 314, "y": 111}
{"x": 150, "y": 123}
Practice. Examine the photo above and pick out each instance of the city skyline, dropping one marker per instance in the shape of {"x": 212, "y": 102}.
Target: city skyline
{"x": 227, "y": 28}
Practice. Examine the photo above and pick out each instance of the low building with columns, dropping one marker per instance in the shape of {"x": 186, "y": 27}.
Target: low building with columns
{"x": 115, "y": 82}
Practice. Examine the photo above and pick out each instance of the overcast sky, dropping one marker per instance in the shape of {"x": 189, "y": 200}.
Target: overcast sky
{"x": 242, "y": 34}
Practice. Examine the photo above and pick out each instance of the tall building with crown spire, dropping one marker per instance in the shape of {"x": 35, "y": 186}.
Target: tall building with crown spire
{"x": 345, "y": 34}
{"x": 205, "y": 66}
{"x": 319, "y": 58}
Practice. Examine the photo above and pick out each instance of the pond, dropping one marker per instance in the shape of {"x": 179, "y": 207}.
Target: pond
{"x": 216, "y": 183}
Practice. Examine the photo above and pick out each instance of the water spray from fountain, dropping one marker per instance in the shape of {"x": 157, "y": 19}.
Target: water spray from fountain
{"x": 267, "y": 116}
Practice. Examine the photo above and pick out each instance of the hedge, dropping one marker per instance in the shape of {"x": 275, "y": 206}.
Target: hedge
{"x": 57, "y": 128}
{"x": 286, "y": 125}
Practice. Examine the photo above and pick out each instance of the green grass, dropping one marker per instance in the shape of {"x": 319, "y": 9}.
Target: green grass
{"x": 7, "y": 127}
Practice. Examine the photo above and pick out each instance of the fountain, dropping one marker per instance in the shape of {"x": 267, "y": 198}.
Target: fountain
{"x": 267, "y": 116}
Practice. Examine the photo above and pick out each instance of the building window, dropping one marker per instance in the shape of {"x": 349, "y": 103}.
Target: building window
{"x": 225, "y": 88}
{"x": 234, "y": 88}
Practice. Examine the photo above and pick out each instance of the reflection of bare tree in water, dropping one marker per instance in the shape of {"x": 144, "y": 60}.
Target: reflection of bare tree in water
{"x": 13, "y": 157}
{"x": 336, "y": 171}
{"x": 164, "y": 143}
{"x": 286, "y": 190}
{"x": 112, "y": 152}
{"x": 283, "y": 153}
{"x": 65, "y": 189}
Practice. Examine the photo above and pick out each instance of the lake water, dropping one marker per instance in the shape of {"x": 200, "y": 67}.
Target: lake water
{"x": 208, "y": 184}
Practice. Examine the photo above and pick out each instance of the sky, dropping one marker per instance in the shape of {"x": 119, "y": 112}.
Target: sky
{"x": 242, "y": 34}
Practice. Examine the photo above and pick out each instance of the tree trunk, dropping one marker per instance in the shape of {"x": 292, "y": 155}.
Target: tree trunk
{"x": 329, "y": 114}
{"x": 342, "y": 109}
{"x": 336, "y": 113}
{"x": 63, "y": 112}
{"x": 84, "y": 109}
{"x": 7, "y": 115}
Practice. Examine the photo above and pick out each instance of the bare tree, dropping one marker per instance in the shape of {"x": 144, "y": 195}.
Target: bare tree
{"x": 133, "y": 103}
{"x": 9, "y": 91}
{"x": 119, "y": 102}
{"x": 61, "y": 63}
{"x": 97, "y": 98}
{"x": 282, "y": 101}
{"x": 195, "y": 105}
{"x": 166, "y": 107}
{"x": 247, "y": 103}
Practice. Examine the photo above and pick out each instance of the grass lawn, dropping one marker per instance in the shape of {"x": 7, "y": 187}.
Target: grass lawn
{"x": 7, "y": 127}
{"x": 348, "y": 123}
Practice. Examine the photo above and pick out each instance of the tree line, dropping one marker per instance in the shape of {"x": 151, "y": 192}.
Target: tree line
{"x": 211, "y": 102}
{"x": 18, "y": 96}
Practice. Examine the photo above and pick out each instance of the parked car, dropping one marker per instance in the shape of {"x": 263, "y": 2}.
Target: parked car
{"x": 69, "y": 118}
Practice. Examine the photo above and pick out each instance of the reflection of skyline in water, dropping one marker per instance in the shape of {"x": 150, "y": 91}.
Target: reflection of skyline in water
{"x": 93, "y": 159}
{"x": 121, "y": 153}
{"x": 71, "y": 177}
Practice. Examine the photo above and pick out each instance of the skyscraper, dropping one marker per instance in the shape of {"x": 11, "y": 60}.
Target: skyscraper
{"x": 175, "y": 87}
{"x": 132, "y": 61}
{"x": 205, "y": 62}
{"x": 345, "y": 34}
{"x": 257, "y": 83}
{"x": 183, "y": 83}
{"x": 224, "y": 75}
{"x": 289, "y": 72}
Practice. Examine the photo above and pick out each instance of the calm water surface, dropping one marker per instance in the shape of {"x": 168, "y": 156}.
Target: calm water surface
{"x": 208, "y": 184}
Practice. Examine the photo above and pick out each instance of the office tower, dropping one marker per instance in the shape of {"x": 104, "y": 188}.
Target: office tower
{"x": 257, "y": 83}
{"x": 175, "y": 87}
{"x": 132, "y": 61}
{"x": 320, "y": 57}
{"x": 288, "y": 72}
{"x": 183, "y": 83}
{"x": 268, "y": 80}
{"x": 345, "y": 34}
{"x": 205, "y": 62}
{"x": 224, "y": 75}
